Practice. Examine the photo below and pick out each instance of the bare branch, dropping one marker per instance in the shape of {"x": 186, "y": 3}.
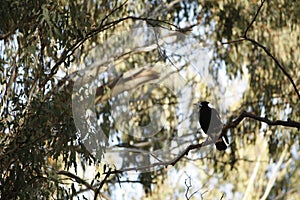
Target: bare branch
{"x": 276, "y": 62}
{"x": 222, "y": 196}
{"x": 111, "y": 12}
{"x": 166, "y": 163}
{"x": 233, "y": 124}
{"x": 254, "y": 18}
{"x": 188, "y": 184}
{"x": 245, "y": 37}
{"x": 230, "y": 125}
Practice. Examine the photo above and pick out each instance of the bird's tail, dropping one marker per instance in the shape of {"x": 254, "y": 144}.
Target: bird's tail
{"x": 221, "y": 145}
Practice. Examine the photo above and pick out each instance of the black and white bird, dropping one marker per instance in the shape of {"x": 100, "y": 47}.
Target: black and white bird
{"x": 211, "y": 125}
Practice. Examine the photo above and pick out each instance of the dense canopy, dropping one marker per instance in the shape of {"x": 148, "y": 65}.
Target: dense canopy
{"x": 98, "y": 99}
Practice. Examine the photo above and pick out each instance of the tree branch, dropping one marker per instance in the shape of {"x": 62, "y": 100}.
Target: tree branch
{"x": 233, "y": 124}
{"x": 83, "y": 182}
{"x": 254, "y": 18}
{"x": 69, "y": 52}
{"x": 97, "y": 191}
{"x": 275, "y": 173}
{"x": 276, "y": 62}
{"x": 77, "y": 179}
{"x": 166, "y": 163}
{"x": 9, "y": 33}
{"x": 245, "y": 37}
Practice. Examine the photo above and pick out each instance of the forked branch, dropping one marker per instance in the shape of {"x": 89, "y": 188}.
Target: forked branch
{"x": 245, "y": 37}
{"x": 233, "y": 124}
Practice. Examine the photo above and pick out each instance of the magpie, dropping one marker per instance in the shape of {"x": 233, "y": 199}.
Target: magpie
{"x": 211, "y": 125}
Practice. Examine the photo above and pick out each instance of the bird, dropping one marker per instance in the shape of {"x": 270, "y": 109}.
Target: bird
{"x": 211, "y": 125}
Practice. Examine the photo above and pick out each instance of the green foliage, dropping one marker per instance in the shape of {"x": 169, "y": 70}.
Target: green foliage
{"x": 42, "y": 42}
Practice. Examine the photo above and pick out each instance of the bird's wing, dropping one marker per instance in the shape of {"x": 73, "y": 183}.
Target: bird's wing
{"x": 216, "y": 124}
{"x": 215, "y": 115}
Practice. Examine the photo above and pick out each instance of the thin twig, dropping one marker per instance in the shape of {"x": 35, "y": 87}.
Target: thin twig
{"x": 276, "y": 62}
{"x": 102, "y": 183}
{"x": 111, "y": 12}
{"x": 222, "y": 196}
{"x": 254, "y": 18}
{"x": 188, "y": 186}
